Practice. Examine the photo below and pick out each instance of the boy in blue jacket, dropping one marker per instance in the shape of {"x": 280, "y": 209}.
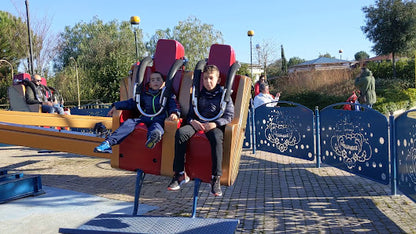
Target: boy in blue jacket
{"x": 209, "y": 102}
{"x": 150, "y": 103}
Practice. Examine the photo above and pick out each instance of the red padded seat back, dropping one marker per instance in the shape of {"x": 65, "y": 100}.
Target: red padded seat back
{"x": 166, "y": 53}
{"x": 17, "y": 79}
{"x": 222, "y": 56}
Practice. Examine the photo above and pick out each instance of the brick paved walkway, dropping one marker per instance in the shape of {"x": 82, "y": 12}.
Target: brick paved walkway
{"x": 272, "y": 193}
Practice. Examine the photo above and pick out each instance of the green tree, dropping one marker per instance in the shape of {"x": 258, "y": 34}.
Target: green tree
{"x": 294, "y": 61}
{"x": 13, "y": 48}
{"x": 391, "y": 26}
{"x": 13, "y": 39}
{"x": 104, "y": 53}
{"x": 326, "y": 55}
{"x": 244, "y": 69}
{"x": 274, "y": 69}
{"x": 361, "y": 55}
{"x": 159, "y": 34}
{"x": 195, "y": 37}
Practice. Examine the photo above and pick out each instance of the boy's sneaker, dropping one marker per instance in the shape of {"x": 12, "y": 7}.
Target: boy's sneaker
{"x": 153, "y": 139}
{"x": 216, "y": 186}
{"x": 105, "y": 147}
{"x": 177, "y": 180}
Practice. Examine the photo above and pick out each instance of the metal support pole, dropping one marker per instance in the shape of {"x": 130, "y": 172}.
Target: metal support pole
{"x": 318, "y": 138}
{"x": 253, "y": 127}
{"x": 135, "y": 43}
{"x": 135, "y": 20}
{"x": 76, "y": 73}
{"x": 196, "y": 191}
{"x": 393, "y": 155}
{"x": 11, "y": 66}
{"x": 251, "y": 57}
{"x": 30, "y": 39}
{"x": 76, "y": 76}
{"x": 139, "y": 183}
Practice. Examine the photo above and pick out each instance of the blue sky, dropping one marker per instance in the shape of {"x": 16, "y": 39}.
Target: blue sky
{"x": 305, "y": 28}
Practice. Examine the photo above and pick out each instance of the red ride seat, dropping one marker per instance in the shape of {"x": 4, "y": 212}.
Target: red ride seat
{"x": 198, "y": 157}
{"x": 132, "y": 154}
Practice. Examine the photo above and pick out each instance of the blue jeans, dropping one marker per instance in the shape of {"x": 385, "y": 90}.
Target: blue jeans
{"x": 52, "y": 109}
{"x": 47, "y": 109}
{"x": 128, "y": 127}
{"x": 58, "y": 109}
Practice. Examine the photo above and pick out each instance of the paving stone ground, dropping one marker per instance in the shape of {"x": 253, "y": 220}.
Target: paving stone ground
{"x": 272, "y": 193}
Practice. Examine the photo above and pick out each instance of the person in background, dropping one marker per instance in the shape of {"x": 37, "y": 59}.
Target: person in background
{"x": 36, "y": 94}
{"x": 265, "y": 97}
{"x": 262, "y": 79}
{"x": 366, "y": 84}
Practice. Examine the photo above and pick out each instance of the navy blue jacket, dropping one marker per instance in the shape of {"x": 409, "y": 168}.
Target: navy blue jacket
{"x": 150, "y": 103}
{"x": 209, "y": 106}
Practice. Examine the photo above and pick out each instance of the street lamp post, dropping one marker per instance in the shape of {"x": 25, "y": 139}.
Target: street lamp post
{"x": 11, "y": 66}
{"x": 76, "y": 74}
{"x": 135, "y": 20}
{"x": 250, "y": 33}
{"x": 30, "y": 39}
{"x": 340, "y": 54}
{"x": 258, "y": 52}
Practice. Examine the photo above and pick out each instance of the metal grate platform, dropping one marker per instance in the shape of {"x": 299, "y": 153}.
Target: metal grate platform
{"x": 106, "y": 223}
{"x": 16, "y": 185}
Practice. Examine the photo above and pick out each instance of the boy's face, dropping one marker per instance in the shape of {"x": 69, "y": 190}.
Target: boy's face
{"x": 210, "y": 80}
{"x": 156, "y": 81}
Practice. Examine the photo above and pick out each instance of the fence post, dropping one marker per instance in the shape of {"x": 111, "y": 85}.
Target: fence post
{"x": 317, "y": 138}
{"x": 393, "y": 156}
{"x": 253, "y": 127}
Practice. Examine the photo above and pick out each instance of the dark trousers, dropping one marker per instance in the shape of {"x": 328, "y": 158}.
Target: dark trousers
{"x": 128, "y": 126}
{"x": 52, "y": 109}
{"x": 47, "y": 109}
{"x": 215, "y": 138}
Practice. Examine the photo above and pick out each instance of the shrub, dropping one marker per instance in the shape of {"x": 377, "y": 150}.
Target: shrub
{"x": 322, "y": 88}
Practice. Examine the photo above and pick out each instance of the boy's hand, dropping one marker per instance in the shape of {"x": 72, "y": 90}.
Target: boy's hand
{"x": 173, "y": 117}
{"x": 209, "y": 126}
{"x": 198, "y": 126}
{"x": 110, "y": 113}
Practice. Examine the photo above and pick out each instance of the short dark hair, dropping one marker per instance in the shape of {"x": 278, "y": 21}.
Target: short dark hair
{"x": 211, "y": 68}
{"x": 263, "y": 86}
{"x": 161, "y": 75}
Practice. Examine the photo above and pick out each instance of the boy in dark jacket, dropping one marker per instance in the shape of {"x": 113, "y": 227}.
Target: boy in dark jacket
{"x": 150, "y": 104}
{"x": 209, "y": 102}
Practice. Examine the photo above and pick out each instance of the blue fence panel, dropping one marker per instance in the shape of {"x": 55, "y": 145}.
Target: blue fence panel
{"x": 356, "y": 141}
{"x": 406, "y": 153}
{"x": 287, "y": 129}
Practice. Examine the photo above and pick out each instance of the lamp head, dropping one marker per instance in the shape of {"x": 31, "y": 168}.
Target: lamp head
{"x": 134, "y": 20}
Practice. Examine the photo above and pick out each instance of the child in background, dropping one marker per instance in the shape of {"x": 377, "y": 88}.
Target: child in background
{"x": 150, "y": 103}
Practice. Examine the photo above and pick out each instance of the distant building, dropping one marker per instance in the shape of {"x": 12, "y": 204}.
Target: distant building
{"x": 257, "y": 71}
{"x": 321, "y": 63}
